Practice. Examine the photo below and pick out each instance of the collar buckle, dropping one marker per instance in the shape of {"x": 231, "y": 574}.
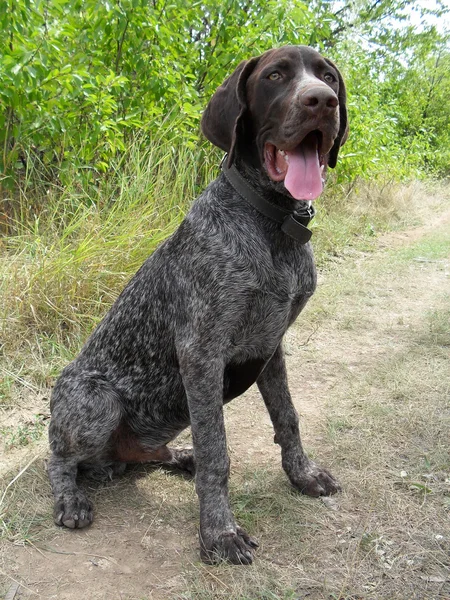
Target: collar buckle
{"x": 293, "y": 227}
{"x": 305, "y": 214}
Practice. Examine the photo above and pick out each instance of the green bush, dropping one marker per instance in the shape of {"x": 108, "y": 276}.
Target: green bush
{"x": 80, "y": 78}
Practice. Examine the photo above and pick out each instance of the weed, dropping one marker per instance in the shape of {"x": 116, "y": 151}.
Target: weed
{"x": 439, "y": 325}
{"x": 6, "y": 385}
{"x": 21, "y": 435}
{"x": 337, "y": 424}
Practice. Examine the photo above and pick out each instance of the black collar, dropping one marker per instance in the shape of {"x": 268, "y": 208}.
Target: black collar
{"x": 292, "y": 223}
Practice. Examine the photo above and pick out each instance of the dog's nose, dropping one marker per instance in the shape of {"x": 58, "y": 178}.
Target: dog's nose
{"x": 319, "y": 100}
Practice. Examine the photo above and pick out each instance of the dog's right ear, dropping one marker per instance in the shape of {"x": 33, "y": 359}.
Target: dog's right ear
{"x": 343, "y": 119}
{"x": 222, "y": 120}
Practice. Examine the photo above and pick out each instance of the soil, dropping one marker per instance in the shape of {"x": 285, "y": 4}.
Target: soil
{"x": 141, "y": 545}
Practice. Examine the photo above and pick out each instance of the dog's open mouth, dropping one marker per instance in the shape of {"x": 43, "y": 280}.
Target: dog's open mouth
{"x": 301, "y": 168}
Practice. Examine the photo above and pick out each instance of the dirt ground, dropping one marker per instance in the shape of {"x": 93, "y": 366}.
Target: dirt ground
{"x": 370, "y": 314}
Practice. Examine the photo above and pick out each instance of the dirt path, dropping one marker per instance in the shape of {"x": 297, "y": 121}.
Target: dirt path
{"x": 371, "y": 312}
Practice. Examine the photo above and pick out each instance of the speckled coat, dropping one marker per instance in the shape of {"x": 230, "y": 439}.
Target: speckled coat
{"x": 201, "y": 321}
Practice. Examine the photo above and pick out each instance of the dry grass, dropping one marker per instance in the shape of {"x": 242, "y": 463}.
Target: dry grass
{"x": 71, "y": 249}
{"x": 377, "y": 365}
{"x": 386, "y": 433}
{"x": 351, "y": 217}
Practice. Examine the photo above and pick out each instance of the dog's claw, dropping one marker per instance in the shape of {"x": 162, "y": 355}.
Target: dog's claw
{"x": 234, "y": 547}
{"x": 73, "y": 511}
{"x": 250, "y": 541}
{"x": 313, "y": 480}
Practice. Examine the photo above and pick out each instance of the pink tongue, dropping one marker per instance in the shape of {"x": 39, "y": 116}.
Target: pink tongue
{"x": 303, "y": 178}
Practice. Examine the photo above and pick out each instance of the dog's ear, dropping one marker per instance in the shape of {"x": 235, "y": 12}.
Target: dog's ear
{"x": 343, "y": 119}
{"x": 223, "y": 117}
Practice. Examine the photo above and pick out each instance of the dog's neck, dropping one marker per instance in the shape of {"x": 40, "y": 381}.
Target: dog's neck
{"x": 292, "y": 217}
{"x": 272, "y": 191}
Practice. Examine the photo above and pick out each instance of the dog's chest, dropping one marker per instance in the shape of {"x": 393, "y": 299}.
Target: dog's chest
{"x": 275, "y": 303}
{"x": 270, "y": 309}
{"x": 291, "y": 281}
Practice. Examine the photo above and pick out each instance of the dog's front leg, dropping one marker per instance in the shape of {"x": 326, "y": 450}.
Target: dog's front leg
{"x": 220, "y": 538}
{"x": 303, "y": 473}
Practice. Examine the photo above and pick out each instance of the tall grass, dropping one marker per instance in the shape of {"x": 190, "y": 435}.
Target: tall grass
{"x": 71, "y": 248}
{"x": 74, "y": 241}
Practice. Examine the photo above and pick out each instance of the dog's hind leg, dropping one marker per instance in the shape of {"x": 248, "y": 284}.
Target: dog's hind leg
{"x": 127, "y": 448}
{"x": 102, "y": 472}
{"x": 182, "y": 459}
{"x": 72, "y": 508}
{"x": 85, "y": 413}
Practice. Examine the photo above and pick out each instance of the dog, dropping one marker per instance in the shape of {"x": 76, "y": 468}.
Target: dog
{"x": 204, "y": 317}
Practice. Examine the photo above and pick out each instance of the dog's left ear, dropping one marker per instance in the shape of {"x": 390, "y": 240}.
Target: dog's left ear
{"x": 222, "y": 120}
{"x": 343, "y": 119}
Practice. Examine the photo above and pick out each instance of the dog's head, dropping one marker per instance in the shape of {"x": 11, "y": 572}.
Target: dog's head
{"x": 284, "y": 112}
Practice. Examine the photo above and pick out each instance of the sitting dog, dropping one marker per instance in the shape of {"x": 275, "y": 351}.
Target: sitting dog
{"x": 204, "y": 317}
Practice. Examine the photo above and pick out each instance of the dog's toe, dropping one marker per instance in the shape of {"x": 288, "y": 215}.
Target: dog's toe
{"x": 183, "y": 459}
{"x": 328, "y": 483}
{"x": 313, "y": 480}
{"x": 73, "y": 511}
{"x": 234, "y": 547}
{"x": 250, "y": 541}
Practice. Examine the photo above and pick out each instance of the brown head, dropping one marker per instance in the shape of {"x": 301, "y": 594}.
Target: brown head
{"x": 284, "y": 112}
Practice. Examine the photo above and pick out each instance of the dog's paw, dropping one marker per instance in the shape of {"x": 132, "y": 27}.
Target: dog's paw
{"x": 102, "y": 473}
{"x": 183, "y": 459}
{"x": 235, "y": 547}
{"x": 73, "y": 510}
{"x": 312, "y": 480}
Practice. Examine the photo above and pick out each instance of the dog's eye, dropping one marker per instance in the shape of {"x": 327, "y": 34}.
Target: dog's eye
{"x": 329, "y": 77}
{"x": 274, "y": 76}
